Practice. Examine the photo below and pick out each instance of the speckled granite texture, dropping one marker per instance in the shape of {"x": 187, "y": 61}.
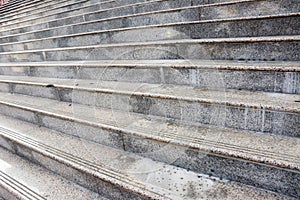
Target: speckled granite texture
{"x": 150, "y": 99}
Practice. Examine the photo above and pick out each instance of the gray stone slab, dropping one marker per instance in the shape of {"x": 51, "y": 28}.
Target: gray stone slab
{"x": 271, "y": 50}
{"x": 53, "y": 186}
{"x": 270, "y": 80}
{"x": 239, "y": 28}
{"x": 239, "y": 116}
{"x": 274, "y": 7}
{"x": 262, "y": 176}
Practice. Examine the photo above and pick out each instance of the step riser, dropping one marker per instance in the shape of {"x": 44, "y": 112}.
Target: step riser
{"x": 65, "y": 12}
{"x": 40, "y": 13}
{"x": 266, "y": 177}
{"x": 281, "y": 123}
{"x": 80, "y": 177}
{"x": 132, "y": 9}
{"x": 267, "y": 81}
{"x": 7, "y": 8}
{"x": 28, "y": 9}
{"x": 256, "y": 51}
{"x": 59, "y": 7}
{"x": 111, "y": 13}
{"x": 275, "y": 179}
{"x": 72, "y": 20}
{"x": 251, "y": 28}
{"x": 25, "y": 10}
{"x": 191, "y": 14}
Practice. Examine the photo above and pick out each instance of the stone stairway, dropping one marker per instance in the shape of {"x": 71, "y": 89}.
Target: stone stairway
{"x": 150, "y": 99}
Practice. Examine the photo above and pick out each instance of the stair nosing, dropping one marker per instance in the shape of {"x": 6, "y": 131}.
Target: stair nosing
{"x": 60, "y": 12}
{"x": 12, "y": 13}
{"x": 154, "y": 26}
{"x": 260, "y": 39}
{"x": 292, "y": 66}
{"x": 88, "y": 167}
{"x": 82, "y": 15}
{"x": 157, "y": 95}
{"x": 187, "y": 143}
{"x": 61, "y": 6}
{"x": 18, "y": 6}
{"x": 18, "y": 187}
{"x": 139, "y": 14}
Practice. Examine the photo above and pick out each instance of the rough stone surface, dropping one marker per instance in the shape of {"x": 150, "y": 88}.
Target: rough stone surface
{"x": 150, "y": 99}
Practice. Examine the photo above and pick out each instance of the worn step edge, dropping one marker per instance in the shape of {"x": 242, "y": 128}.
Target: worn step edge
{"x": 105, "y": 174}
{"x": 17, "y": 189}
{"x": 13, "y": 3}
{"x": 29, "y": 181}
{"x": 38, "y": 11}
{"x": 26, "y": 9}
{"x": 150, "y": 26}
{"x": 155, "y": 26}
{"x": 138, "y": 14}
{"x": 17, "y": 6}
{"x": 263, "y": 39}
{"x": 14, "y": 21}
{"x": 276, "y": 159}
{"x": 86, "y": 166}
{"x": 286, "y": 66}
{"x": 158, "y": 91}
{"x": 71, "y": 10}
{"x": 30, "y": 12}
{"x": 78, "y": 15}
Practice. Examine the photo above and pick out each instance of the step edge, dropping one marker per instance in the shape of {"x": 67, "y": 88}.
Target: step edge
{"x": 108, "y": 175}
{"x": 153, "y": 26}
{"x": 142, "y": 14}
{"x": 263, "y": 39}
{"x": 286, "y": 166}
{"x": 159, "y": 95}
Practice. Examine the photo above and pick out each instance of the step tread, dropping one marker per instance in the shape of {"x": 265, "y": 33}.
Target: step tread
{"x": 262, "y": 39}
{"x": 230, "y": 19}
{"x": 165, "y": 25}
{"x": 160, "y": 11}
{"x": 87, "y": 13}
{"x": 24, "y": 8}
{"x": 129, "y": 170}
{"x": 285, "y": 66}
{"x": 28, "y": 181}
{"x": 8, "y": 7}
{"x": 243, "y": 99}
{"x": 273, "y": 150}
{"x": 39, "y": 11}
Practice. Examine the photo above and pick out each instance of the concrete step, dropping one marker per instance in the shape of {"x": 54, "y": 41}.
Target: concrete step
{"x": 74, "y": 9}
{"x": 265, "y": 161}
{"x": 15, "y": 5}
{"x": 281, "y": 77}
{"x": 20, "y": 179}
{"x": 85, "y": 33}
{"x": 267, "y": 48}
{"x": 39, "y": 11}
{"x": 122, "y": 171}
{"x": 256, "y": 111}
{"x": 73, "y": 13}
{"x": 25, "y": 7}
{"x": 152, "y": 15}
{"x": 234, "y": 27}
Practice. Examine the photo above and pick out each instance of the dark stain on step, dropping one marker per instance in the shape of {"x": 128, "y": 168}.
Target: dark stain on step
{"x": 49, "y": 85}
{"x": 297, "y": 101}
{"x": 141, "y": 104}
